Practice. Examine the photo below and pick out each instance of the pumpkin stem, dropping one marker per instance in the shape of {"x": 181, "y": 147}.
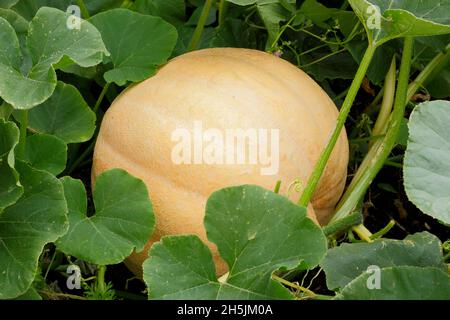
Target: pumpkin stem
{"x": 343, "y": 113}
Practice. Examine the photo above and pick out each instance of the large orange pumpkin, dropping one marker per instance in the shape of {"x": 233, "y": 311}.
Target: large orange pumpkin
{"x": 220, "y": 89}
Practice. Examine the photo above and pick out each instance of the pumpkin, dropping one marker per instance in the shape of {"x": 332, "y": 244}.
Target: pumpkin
{"x": 199, "y": 98}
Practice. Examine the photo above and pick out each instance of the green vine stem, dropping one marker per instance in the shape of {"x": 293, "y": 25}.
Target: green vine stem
{"x": 23, "y": 120}
{"x": 101, "y": 286}
{"x": 343, "y": 224}
{"x": 308, "y": 292}
{"x": 223, "y": 6}
{"x": 381, "y": 123}
{"x": 343, "y": 113}
{"x": 383, "y": 231}
{"x": 436, "y": 64}
{"x": 100, "y": 97}
{"x": 84, "y": 11}
{"x": 382, "y": 148}
{"x": 193, "y": 44}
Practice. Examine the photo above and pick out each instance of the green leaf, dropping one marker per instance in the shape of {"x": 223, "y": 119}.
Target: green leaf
{"x": 400, "y": 283}
{"x": 46, "y": 152}
{"x": 19, "y": 24}
{"x": 187, "y": 258}
{"x": 346, "y": 262}
{"x": 138, "y": 43}
{"x": 317, "y": 12}
{"x": 10, "y": 187}
{"x": 37, "y": 218}
{"x": 48, "y": 41}
{"x": 123, "y": 220}
{"x": 427, "y": 159}
{"x": 173, "y": 11}
{"x": 65, "y": 115}
{"x": 256, "y": 232}
{"x": 272, "y": 14}
{"x": 386, "y": 20}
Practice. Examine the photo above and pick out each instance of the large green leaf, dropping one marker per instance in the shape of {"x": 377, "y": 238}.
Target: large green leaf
{"x": 46, "y": 152}
{"x": 346, "y": 262}
{"x": 65, "y": 115}
{"x": 48, "y": 41}
{"x": 37, "y": 218}
{"x": 10, "y": 188}
{"x": 427, "y": 159}
{"x": 256, "y": 232}
{"x": 400, "y": 283}
{"x": 386, "y": 20}
{"x": 123, "y": 220}
{"x": 138, "y": 43}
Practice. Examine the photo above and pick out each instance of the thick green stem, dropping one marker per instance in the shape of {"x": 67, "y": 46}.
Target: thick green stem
{"x": 380, "y": 151}
{"x": 193, "y": 44}
{"x": 345, "y": 109}
{"x": 381, "y": 124}
{"x": 101, "y": 286}
{"x": 223, "y": 6}
{"x": 343, "y": 225}
{"x": 84, "y": 11}
{"x": 23, "y": 119}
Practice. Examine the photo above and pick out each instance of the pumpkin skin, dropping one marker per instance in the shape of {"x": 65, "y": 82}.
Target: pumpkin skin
{"x": 224, "y": 88}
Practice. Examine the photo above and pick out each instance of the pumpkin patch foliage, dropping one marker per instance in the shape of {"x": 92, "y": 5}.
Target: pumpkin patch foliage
{"x": 225, "y": 150}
